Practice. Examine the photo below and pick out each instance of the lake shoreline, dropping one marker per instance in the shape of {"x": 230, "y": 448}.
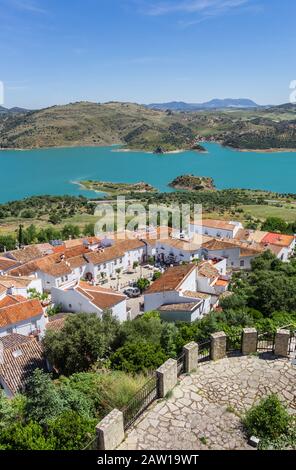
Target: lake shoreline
{"x": 149, "y": 152}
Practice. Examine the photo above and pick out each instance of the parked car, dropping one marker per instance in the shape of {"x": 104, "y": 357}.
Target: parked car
{"x": 132, "y": 292}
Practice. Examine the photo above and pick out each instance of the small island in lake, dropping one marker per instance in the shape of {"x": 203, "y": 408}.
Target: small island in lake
{"x": 117, "y": 188}
{"x": 193, "y": 183}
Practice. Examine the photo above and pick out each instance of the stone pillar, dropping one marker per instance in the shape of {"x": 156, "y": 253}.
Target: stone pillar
{"x": 110, "y": 431}
{"x": 218, "y": 346}
{"x": 167, "y": 377}
{"x": 281, "y": 344}
{"x": 191, "y": 356}
{"x": 249, "y": 341}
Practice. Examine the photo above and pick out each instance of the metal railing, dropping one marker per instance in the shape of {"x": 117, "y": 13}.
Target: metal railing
{"x": 180, "y": 364}
{"x": 92, "y": 445}
{"x": 204, "y": 350}
{"x": 140, "y": 401}
{"x": 234, "y": 343}
{"x": 265, "y": 342}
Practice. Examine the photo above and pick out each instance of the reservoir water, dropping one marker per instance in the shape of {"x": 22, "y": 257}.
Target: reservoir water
{"x": 54, "y": 171}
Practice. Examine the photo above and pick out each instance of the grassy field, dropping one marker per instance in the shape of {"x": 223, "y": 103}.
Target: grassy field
{"x": 287, "y": 212}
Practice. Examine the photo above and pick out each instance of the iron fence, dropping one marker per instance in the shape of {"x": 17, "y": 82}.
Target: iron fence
{"x": 265, "y": 342}
{"x": 292, "y": 343}
{"x": 234, "y": 343}
{"x": 141, "y": 400}
{"x": 92, "y": 445}
{"x": 204, "y": 350}
{"x": 180, "y": 364}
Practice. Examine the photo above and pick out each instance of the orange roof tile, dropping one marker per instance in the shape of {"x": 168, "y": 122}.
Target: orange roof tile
{"x": 19, "y": 312}
{"x": 99, "y": 296}
{"x": 11, "y": 300}
{"x": 6, "y": 263}
{"x": 21, "y": 356}
{"x": 171, "y": 279}
{"x": 218, "y": 224}
{"x": 278, "y": 239}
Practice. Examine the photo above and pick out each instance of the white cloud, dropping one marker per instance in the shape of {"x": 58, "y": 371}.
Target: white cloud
{"x": 200, "y": 7}
{"x": 29, "y": 6}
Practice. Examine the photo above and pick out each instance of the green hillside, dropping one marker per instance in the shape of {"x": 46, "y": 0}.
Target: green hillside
{"x": 137, "y": 127}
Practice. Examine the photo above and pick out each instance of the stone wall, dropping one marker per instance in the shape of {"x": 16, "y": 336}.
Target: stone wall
{"x": 167, "y": 377}
{"x": 110, "y": 430}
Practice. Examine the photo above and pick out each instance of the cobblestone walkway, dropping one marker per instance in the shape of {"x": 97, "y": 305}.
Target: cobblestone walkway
{"x": 203, "y": 410}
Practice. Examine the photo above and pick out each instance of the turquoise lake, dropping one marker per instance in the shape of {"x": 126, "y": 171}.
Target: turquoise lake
{"x": 53, "y": 171}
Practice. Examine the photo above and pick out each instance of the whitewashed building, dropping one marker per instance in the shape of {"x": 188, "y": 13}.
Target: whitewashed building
{"x": 87, "y": 298}
{"x": 216, "y": 228}
{"x": 21, "y": 316}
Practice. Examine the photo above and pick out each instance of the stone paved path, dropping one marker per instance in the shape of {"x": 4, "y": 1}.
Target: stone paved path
{"x": 203, "y": 411}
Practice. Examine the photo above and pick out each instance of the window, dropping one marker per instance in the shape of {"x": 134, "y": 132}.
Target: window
{"x": 105, "y": 265}
{"x": 70, "y": 305}
{"x": 242, "y": 263}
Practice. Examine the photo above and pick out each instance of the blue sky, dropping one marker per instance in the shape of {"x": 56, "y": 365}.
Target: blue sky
{"x": 58, "y": 51}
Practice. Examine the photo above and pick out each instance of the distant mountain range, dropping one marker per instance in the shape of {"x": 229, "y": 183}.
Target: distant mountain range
{"x": 213, "y": 104}
{"x": 14, "y": 110}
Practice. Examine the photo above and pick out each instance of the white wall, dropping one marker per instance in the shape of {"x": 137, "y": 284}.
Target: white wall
{"x": 179, "y": 255}
{"x": 26, "y": 327}
{"x": 232, "y": 255}
{"x": 215, "y": 232}
{"x": 48, "y": 282}
{"x": 73, "y": 301}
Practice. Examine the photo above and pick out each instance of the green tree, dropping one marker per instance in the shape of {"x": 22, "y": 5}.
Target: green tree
{"x": 83, "y": 340}
{"x": 275, "y": 224}
{"x": 156, "y": 275}
{"x": 168, "y": 339}
{"x": 143, "y": 284}
{"x": 25, "y": 436}
{"x": 89, "y": 230}
{"x": 136, "y": 357}
{"x": 43, "y": 401}
{"x": 70, "y": 431}
{"x": 70, "y": 231}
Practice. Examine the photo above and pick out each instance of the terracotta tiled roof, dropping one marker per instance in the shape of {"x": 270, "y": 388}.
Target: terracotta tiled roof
{"x": 171, "y": 279}
{"x": 278, "y": 239}
{"x": 20, "y": 282}
{"x": 182, "y": 307}
{"x": 183, "y": 245}
{"x": 6, "y": 263}
{"x": 21, "y": 355}
{"x": 128, "y": 245}
{"x": 196, "y": 295}
{"x": 27, "y": 269}
{"x": 77, "y": 261}
{"x": 244, "y": 252}
{"x": 221, "y": 282}
{"x": 215, "y": 244}
{"x": 57, "y": 322}
{"x": 19, "y": 312}
{"x": 26, "y": 254}
{"x": 2, "y": 289}
{"x": 106, "y": 254}
{"x": 99, "y": 296}
{"x": 11, "y": 300}
{"x": 217, "y": 224}
{"x": 206, "y": 269}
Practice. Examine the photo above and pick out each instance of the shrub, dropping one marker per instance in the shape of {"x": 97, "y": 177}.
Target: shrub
{"x": 268, "y": 419}
{"x": 137, "y": 357}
